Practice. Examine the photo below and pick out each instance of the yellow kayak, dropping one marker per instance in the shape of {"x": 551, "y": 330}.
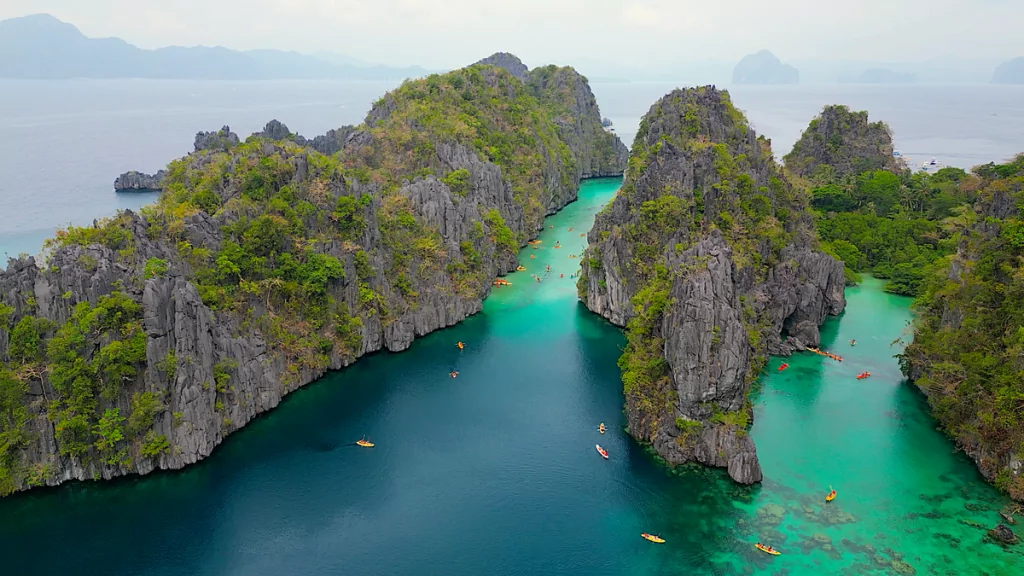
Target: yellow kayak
{"x": 831, "y": 496}
{"x": 766, "y": 550}
{"x": 653, "y": 538}
{"x": 521, "y": 268}
{"x": 364, "y": 443}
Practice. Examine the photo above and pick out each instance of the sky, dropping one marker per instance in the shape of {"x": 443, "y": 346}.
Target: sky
{"x": 630, "y": 33}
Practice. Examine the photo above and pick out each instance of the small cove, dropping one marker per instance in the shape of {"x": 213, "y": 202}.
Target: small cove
{"x": 494, "y": 472}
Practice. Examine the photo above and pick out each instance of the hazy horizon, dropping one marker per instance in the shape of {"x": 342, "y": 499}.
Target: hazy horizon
{"x": 612, "y": 34}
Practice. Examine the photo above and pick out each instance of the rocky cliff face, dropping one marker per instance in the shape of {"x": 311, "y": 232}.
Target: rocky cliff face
{"x": 133, "y": 180}
{"x": 707, "y": 256}
{"x": 763, "y": 67}
{"x": 841, "y": 143}
{"x": 966, "y": 355}
{"x": 509, "y": 62}
{"x": 146, "y": 339}
{"x": 566, "y": 93}
{"x": 222, "y": 139}
{"x": 599, "y": 152}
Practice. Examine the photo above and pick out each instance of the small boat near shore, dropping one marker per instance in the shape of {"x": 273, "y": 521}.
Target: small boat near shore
{"x": 602, "y": 451}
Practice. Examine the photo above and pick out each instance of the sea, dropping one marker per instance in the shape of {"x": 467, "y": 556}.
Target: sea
{"x": 63, "y": 142}
{"x": 496, "y": 472}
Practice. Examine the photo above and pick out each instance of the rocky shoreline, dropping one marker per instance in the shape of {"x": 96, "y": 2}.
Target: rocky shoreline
{"x": 707, "y": 277}
{"x": 146, "y": 339}
{"x": 139, "y": 182}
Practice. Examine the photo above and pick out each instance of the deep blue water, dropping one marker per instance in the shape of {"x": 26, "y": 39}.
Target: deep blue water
{"x": 495, "y": 472}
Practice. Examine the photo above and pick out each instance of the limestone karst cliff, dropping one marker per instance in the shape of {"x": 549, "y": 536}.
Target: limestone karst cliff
{"x": 133, "y": 180}
{"x": 707, "y": 257}
{"x": 843, "y": 143}
{"x": 567, "y": 94}
{"x": 966, "y": 350}
{"x": 144, "y": 340}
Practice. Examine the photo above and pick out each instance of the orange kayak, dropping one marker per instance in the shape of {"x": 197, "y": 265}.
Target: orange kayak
{"x": 602, "y": 451}
{"x": 863, "y": 375}
{"x": 783, "y": 367}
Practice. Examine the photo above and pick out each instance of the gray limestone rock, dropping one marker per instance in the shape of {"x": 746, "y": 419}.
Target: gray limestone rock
{"x": 274, "y": 130}
{"x": 139, "y": 181}
{"x": 598, "y": 152}
{"x": 509, "y": 62}
{"x": 732, "y": 298}
{"x": 216, "y": 369}
{"x": 219, "y": 140}
{"x": 845, "y": 143}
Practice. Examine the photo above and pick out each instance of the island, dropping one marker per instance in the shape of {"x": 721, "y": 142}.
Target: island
{"x": 707, "y": 258}
{"x": 764, "y": 68}
{"x": 1009, "y": 72}
{"x": 146, "y": 339}
{"x": 133, "y": 181}
{"x": 842, "y": 143}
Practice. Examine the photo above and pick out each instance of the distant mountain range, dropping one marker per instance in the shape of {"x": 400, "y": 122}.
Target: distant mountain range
{"x": 41, "y": 46}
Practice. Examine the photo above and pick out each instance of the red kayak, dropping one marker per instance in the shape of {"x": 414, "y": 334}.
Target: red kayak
{"x": 783, "y": 367}
{"x": 602, "y": 451}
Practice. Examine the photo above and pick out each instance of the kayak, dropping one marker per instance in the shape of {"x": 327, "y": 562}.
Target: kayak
{"x": 765, "y": 549}
{"x": 863, "y": 375}
{"x": 602, "y": 451}
{"x": 653, "y": 538}
{"x": 831, "y": 496}
{"x": 783, "y": 367}
{"x": 521, "y": 268}
{"x": 365, "y": 443}
{"x": 601, "y": 428}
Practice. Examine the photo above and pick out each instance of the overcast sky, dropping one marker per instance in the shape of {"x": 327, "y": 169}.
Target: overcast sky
{"x": 642, "y": 33}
